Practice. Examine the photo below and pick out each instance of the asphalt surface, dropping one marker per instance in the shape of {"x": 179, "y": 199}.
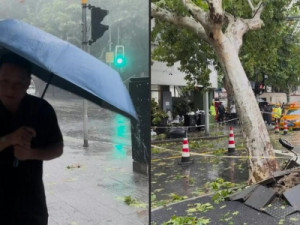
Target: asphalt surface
{"x": 168, "y": 179}
{"x": 87, "y": 186}
{"x": 229, "y": 212}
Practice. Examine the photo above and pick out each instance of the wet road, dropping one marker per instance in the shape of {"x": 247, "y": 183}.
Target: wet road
{"x": 172, "y": 183}
{"x": 87, "y": 186}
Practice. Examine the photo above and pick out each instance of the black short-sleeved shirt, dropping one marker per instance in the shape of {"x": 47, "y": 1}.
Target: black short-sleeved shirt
{"x": 22, "y": 195}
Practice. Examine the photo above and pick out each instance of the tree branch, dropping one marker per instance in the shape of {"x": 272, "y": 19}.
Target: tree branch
{"x": 181, "y": 21}
{"x": 235, "y": 30}
{"x": 197, "y": 13}
{"x": 256, "y": 8}
{"x": 237, "y": 27}
{"x": 255, "y": 23}
{"x": 251, "y": 5}
{"x": 216, "y": 13}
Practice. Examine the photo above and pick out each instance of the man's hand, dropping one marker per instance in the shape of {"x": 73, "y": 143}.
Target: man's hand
{"x": 22, "y": 137}
{"x": 22, "y": 152}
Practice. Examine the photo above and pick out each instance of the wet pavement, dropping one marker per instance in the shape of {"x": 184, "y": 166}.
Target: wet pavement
{"x": 172, "y": 183}
{"x": 88, "y": 186}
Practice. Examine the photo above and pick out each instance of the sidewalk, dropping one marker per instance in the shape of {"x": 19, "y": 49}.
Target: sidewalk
{"x": 94, "y": 192}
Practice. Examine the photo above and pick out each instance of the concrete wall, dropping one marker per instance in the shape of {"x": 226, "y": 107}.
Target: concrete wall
{"x": 295, "y": 98}
{"x": 274, "y": 98}
{"x": 161, "y": 74}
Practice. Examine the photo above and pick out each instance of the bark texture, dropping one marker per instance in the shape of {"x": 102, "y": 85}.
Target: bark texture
{"x": 227, "y": 46}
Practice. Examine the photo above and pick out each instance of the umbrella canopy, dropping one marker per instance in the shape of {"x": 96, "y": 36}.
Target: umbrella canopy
{"x": 66, "y": 66}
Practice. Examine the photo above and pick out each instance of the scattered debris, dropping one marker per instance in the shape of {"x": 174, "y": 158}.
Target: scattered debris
{"x": 133, "y": 202}
{"x": 287, "y": 182}
{"x": 187, "y": 220}
{"x": 74, "y": 166}
{"x": 198, "y": 207}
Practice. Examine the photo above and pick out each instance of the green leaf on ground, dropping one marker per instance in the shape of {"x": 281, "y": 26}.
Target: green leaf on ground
{"x": 235, "y": 213}
{"x": 198, "y": 207}
{"x": 178, "y": 220}
{"x": 133, "y": 202}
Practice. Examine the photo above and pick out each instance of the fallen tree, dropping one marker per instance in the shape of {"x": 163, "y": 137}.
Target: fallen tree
{"x": 224, "y": 33}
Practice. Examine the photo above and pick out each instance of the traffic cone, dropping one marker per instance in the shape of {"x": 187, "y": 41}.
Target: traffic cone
{"x": 185, "y": 153}
{"x": 276, "y": 128}
{"x": 285, "y": 128}
{"x": 231, "y": 143}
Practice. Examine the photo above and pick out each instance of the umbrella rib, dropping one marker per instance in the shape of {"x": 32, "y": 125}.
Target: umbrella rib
{"x": 47, "y": 85}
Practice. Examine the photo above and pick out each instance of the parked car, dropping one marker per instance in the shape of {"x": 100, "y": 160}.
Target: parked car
{"x": 292, "y": 116}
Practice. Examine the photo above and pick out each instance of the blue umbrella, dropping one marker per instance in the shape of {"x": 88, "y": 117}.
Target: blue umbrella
{"x": 64, "y": 65}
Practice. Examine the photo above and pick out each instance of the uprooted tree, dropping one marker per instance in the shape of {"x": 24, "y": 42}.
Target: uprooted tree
{"x": 223, "y": 32}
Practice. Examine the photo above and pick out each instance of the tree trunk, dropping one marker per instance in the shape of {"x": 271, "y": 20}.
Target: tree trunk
{"x": 261, "y": 157}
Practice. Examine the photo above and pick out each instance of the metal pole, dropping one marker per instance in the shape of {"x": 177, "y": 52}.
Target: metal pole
{"x": 85, "y": 48}
{"x": 205, "y": 98}
{"x": 118, "y": 36}
{"x": 109, "y": 33}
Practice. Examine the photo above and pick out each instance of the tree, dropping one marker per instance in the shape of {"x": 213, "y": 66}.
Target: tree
{"x": 273, "y": 55}
{"x": 63, "y": 19}
{"x": 219, "y": 29}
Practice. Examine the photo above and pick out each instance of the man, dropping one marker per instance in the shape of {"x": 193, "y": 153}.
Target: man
{"x": 233, "y": 114}
{"x": 277, "y": 113}
{"x": 221, "y": 113}
{"x": 212, "y": 112}
{"x": 29, "y": 134}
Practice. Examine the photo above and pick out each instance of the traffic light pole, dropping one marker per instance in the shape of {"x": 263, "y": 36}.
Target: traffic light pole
{"x": 109, "y": 33}
{"x": 85, "y": 48}
{"x": 206, "y": 109}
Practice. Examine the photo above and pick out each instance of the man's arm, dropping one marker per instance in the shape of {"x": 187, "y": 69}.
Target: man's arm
{"x": 21, "y": 136}
{"x": 47, "y": 153}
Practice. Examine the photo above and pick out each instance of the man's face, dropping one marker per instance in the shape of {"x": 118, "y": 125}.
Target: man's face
{"x": 13, "y": 84}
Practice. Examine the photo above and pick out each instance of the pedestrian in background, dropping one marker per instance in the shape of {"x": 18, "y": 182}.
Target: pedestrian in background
{"x": 212, "y": 112}
{"x": 268, "y": 114}
{"x": 233, "y": 115}
{"x": 277, "y": 113}
{"x": 221, "y": 113}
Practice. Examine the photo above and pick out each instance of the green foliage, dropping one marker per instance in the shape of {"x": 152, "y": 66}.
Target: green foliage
{"x": 181, "y": 106}
{"x": 198, "y": 207}
{"x": 191, "y": 181}
{"x": 273, "y": 55}
{"x": 63, "y": 18}
{"x": 155, "y": 150}
{"x": 220, "y": 151}
{"x": 178, "y": 220}
{"x": 133, "y": 202}
{"x": 173, "y": 47}
{"x": 176, "y": 197}
{"x": 273, "y": 50}
{"x": 221, "y": 189}
{"x": 157, "y": 114}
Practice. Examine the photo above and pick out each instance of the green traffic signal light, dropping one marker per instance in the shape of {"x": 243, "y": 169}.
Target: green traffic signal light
{"x": 119, "y": 56}
{"x": 119, "y": 61}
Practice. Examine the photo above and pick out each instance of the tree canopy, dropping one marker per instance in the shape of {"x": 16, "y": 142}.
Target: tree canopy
{"x": 63, "y": 18}
{"x": 272, "y": 50}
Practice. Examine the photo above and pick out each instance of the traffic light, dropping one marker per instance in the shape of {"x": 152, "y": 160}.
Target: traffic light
{"x": 119, "y": 56}
{"x": 98, "y": 29}
{"x": 262, "y": 88}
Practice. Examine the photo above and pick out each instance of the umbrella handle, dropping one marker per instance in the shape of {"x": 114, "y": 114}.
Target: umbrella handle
{"x": 16, "y": 163}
